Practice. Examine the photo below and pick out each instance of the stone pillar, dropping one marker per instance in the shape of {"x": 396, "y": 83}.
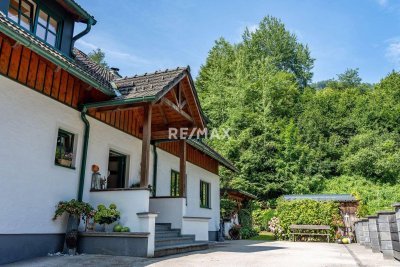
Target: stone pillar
{"x": 365, "y": 230}
{"x": 396, "y": 245}
{"x": 360, "y": 239}
{"x": 148, "y": 225}
{"x": 373, "y": 233}
{"x": 388, "y": 233}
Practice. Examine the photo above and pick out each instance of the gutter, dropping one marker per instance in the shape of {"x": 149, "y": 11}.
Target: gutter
{"x": 155, "y": 163}
{"x": 82, "y": 12}
{"x": 53, "y": 58}
{"x": 81, "y": 34}
{"x": 84, "y": 153}
{"x": 117, "y": 102}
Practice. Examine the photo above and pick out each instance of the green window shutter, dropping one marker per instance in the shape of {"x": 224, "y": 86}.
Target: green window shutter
{"x": 174, "y": 183}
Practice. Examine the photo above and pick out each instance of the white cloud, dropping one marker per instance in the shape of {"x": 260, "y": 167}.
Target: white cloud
{"x": 114, "y": 55}
{"x": 383, "y": 3}
{"x": 252, "y": 28}
{"x": 393, "y": 51}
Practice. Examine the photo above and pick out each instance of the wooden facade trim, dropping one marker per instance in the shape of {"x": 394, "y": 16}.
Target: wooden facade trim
{"x": 193, "y": 156}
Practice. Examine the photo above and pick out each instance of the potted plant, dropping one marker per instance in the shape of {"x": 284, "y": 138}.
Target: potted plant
{"x": 76, "y": 211}
{"x": 234, "y": 232}
{"x": 106, "y": 216}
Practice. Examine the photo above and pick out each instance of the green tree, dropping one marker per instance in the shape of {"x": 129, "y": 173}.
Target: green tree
{"x": 98, "y": 56}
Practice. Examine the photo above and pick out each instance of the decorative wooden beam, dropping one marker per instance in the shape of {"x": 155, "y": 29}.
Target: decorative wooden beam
{"x": 168, "y": 102}
{"x": 163, "y": 114}
{"x": 144, "y": 169}
{"x": 174, "y": 95}
{"x": 182, "y": 168}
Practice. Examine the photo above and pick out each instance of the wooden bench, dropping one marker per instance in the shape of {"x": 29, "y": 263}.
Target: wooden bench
{"x": 309, "y": 230}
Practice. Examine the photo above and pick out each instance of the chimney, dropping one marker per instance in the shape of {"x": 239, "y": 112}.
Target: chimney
{"x": 115, "y": 71}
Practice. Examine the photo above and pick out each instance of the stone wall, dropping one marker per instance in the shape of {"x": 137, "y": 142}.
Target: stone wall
{"x": 381, "y": 232}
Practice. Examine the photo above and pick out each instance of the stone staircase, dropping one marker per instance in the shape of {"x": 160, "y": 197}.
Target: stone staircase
{"x": 170, "y": 241}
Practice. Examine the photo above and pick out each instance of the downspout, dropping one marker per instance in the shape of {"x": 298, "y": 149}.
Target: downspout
{"x": 81, "y": 34}
{"x": 84, "y": 153}
{"x": 155, "y": 161}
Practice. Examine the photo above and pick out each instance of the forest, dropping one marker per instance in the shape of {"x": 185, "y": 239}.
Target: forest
{"x": 291, "y": 136}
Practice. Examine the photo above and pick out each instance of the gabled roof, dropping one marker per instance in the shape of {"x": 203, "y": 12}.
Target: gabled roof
{"x": 238, "y": 192}
{"x": 79, "y": 14}
{"x": 212, "y": 153}
{"x": 323, "y": 197}
{"x": 149, "y": 84}
{"x": 75, "y": 67}
{"x": 96, "y": 70}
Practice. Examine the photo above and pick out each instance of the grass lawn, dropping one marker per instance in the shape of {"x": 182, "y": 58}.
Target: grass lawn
{"x": 264, "y": 235}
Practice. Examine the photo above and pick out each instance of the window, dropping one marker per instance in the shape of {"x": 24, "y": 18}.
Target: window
{"x": 117, "y": 170}
{"x": 47, "y": 28}
{"x": 205, "y": 194}
{"x": 36, "y": 20}
{"x": 174, "y": 183}
{"x": 23, "y": 13}
{"x": 65, "y": 149}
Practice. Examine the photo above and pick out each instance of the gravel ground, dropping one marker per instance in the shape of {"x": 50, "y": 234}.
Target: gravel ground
{"x": 236, "y": 253}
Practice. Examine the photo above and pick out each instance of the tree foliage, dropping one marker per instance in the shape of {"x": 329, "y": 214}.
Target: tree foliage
{"x": 98, "y": 56}
{"x": 287, "y": 137}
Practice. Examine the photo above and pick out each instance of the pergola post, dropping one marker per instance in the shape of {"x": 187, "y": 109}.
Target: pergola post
{"x": 182, "y": 167}
{"x": 144, "y": 170}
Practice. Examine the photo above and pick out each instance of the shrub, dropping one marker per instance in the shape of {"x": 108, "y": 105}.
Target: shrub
{"x": 248, "y": 232}
{"x": 261, "y": 217}
{"x": 106, "y": 216}
{"x": 227, "y": 207}
{"x": 307, "y": 212}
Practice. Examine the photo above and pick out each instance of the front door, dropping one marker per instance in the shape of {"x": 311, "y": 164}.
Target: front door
{"x": 117, "y": 169}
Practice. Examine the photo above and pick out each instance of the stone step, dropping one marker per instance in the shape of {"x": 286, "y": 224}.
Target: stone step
{"x": 170, "y": 233}
{"x": 171, "y": 241}
{"x": 175, "y": 249}
{"x": 163, "y": 226}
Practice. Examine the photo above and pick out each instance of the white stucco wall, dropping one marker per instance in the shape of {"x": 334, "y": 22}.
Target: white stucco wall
{"x": 129, "y": 203}
{"x": 195, "y": 174}
{"x": 166, "y": 162}
{"x": 31, "y": 183}
{"x": 170, "y": 210}
{"x": 195, "y": 226}
{"x": 104, "y": 138}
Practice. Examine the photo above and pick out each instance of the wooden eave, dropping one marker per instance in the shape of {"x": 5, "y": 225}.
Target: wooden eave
{"x": 174, "y": 108}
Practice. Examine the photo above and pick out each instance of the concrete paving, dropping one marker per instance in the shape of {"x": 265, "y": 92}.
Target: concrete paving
{"x": 236, "y": 253}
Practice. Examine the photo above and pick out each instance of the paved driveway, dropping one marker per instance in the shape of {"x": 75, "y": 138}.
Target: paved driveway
{"x": 237, "y": 253}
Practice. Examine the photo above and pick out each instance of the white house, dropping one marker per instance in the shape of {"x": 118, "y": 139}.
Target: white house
{"x": 61, "y": 113}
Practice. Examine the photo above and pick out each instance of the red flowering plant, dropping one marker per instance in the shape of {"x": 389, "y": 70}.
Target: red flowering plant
{"x": 73, "y": 207}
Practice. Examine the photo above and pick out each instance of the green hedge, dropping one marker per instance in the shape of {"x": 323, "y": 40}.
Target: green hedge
{"x": 307, "y": 212}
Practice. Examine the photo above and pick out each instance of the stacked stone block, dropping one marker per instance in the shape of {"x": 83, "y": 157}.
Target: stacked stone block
{"x": 373, "y": 233}
{"x": 396, "y": 243}
{"x": 358, "y": 231}
{"x": 388, "y": 234}
{"x": 365, "y": 229}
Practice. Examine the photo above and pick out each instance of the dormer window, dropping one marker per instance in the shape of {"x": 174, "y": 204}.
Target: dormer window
{"x": 23, "y": 13}
{"x": 46, "y": 28}
{"x": 36, "y": 19}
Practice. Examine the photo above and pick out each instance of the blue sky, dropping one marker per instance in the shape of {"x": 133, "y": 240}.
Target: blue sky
{"x": 146, "y": 35}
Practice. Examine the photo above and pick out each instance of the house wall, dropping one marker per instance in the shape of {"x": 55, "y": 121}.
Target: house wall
{"x": 31, "y": 184}
{"x": 166, "y": 162}
{"x": 195, "y": 174}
